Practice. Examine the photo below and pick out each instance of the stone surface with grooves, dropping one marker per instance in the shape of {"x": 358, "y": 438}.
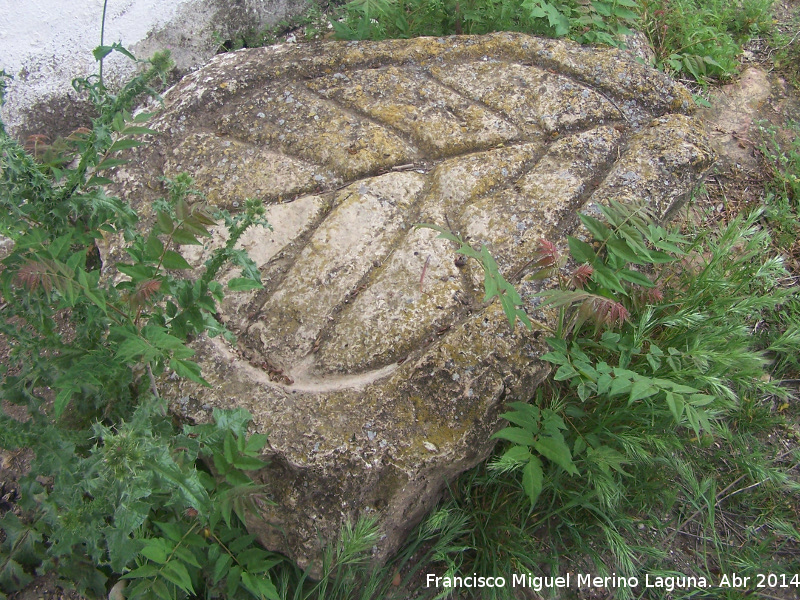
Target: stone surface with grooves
{"x": 369, "y": 356}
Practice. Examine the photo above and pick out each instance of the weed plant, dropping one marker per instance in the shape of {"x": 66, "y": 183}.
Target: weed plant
{"x": 699, "y": 39}
{"x": 598, "y": 21}
{"x": 653, "y": 448}
{"x": 786, "y": 42}
{"x": 115, "y": 489}
{"x": 649, "y": 451}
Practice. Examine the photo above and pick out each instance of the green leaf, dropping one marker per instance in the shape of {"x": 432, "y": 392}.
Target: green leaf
{"x": 97, "y": 180}
{"x": 164, "y": 222}
{"x": 153, "y": 248}
{"x": 240, "y": 284}
{"x": 12, "y": 576}
{"x": 700, "y": 399}
{"x": 101, "y": 52}
{"x": 229, "y": 448}
{"x": 260, "y": 586}
{"x": 516, "y": 435}
{"x": 232, "y": 581}
{"x": 173, "y": 260}
{"x": 90, "y": 289}
{"x": 565, "y": 372}
{"x": 220, "y": 567}
{"x": 517, "y": 454}
{"x": 523, "y": 420}
{"x": 675, "y": 404}
{"x": 249, "y": 463}
{"x": 184, "y": 237}
{"x": 642, "y": 388}
{"x": 532, "y": 478}
{"x": 255, "y": 443}
{"x": 146, "y": 570}
{"x": 110, "y": 163}
{"x": 188, "y": 369}
{"x": 557, "y": 451}
{"x": 624, "y": 251}
{"x": 606, "y": 278}
{"x": 159, "y": 588}
{"x": 156, "y": 550}
{"x": 176, "y": 572}
{"x": 59, "y": 245}
{"x": 557, "y": 358}
{"x": 237, "y": 478}
{"x": 171, "y": 530}
{"x": 581, "y": 251}
{"x": 636, "y": 277}
{"x": 186, "y": 484}
{"x": 62, "y": 400}
{"x": 186, "y": 555}
{"x": 595, "y": 227}
{"x": 124, "y": 144}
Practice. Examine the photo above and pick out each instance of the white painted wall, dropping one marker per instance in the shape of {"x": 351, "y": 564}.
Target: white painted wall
{"x": 44, "y": 44}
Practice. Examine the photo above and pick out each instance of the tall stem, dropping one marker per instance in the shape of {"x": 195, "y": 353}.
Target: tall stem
{"x": 102, "y": 36}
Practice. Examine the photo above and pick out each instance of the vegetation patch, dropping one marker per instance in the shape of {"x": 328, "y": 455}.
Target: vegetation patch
{"x": 664, "y": 445}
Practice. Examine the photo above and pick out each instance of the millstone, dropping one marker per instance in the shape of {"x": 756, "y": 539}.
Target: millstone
{"x": 370, "y": 357}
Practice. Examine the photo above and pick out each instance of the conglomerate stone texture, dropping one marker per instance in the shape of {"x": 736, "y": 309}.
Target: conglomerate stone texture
{"x": 370, "y": 357}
